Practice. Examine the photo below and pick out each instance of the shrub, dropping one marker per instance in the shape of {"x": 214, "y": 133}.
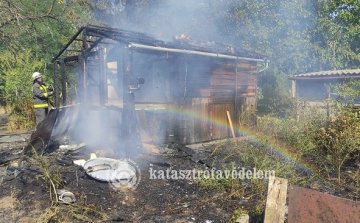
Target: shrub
{"x": 339, "y": 139}
{"x": 17, "y": 87}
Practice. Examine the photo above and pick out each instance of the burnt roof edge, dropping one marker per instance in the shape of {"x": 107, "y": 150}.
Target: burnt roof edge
{"x": 175, "y": 50}
{"x": 100, "y": 30}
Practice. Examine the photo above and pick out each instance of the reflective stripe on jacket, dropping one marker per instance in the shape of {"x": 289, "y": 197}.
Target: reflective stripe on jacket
{"x": 40, "y": 95}
{"x": 41, "y": 105}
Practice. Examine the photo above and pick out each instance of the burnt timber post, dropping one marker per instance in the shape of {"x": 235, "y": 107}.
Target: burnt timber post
{"x": 128, "y": 117}
{"x": 102, "y": 78}
{"x": 63, "y": 82}
{"x": 56, "y": 83}
{"x": 82, "y": 74}
{"x": 80, "y": 83}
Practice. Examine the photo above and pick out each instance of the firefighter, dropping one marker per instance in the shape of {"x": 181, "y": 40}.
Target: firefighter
{"x": 41, "y": 94}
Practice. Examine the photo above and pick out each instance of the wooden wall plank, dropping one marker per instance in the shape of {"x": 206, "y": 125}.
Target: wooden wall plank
{"x": 200, "y": 124}
{"x": 221, "y": 130}
{"x": 213, "y": 80}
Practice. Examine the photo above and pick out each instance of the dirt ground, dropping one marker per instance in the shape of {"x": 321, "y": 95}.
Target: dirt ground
{"x": 27, "y": 195}
{"x": 151, "y": 201}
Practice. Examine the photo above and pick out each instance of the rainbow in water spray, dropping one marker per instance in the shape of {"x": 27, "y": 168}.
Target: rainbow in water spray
{"x": 223, "y": 124}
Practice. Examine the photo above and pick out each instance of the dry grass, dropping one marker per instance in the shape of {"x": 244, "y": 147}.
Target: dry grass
{"x": 72, "y": 213}
{"x": 2, "y": 110}
{"x": 249, "y": 155}
{"x": 57, "y": 212}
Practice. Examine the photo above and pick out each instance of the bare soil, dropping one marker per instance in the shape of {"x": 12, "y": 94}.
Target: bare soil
{"x": 26, "y": 194}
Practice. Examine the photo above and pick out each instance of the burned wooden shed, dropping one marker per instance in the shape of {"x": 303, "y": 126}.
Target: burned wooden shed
{"x": 179, "y": 90}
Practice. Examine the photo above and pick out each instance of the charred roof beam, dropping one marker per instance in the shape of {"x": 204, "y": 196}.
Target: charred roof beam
{"x": 145, "y": 42}
{"x": 95, "y": 44}
{"x": 126, "y": 37}
{"x": 68, "y": 44}
{"x": 90, "y": 41}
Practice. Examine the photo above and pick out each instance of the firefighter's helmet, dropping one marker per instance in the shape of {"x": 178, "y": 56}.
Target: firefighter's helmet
{"x": 36, "y": 75}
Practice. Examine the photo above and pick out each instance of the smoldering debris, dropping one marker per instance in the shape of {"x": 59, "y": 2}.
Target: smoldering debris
{"x": 75, "y": 128}
{"x": 65, "y": 196}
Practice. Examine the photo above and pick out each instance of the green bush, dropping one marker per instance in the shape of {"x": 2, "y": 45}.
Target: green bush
{"x": 339, "y": 139}
{"x": 328, "y": 143}
{"x": 17, "y": 87}
{"x": 297, "y": 134}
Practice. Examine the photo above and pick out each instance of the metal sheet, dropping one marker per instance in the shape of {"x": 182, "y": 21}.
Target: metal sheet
{"x": 109, "y": 170}
{"x": 307, "y": 205}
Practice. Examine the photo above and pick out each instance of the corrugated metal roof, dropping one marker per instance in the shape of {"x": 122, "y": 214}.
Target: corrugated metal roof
{"x": 352, "y": 73}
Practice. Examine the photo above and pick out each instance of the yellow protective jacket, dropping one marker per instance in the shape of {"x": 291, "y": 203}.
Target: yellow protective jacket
{"x": 40, "y": 95}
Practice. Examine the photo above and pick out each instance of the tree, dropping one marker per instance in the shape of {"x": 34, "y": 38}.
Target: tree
{"x": 17, "y": 89}
{"x": 298, "y": 36}
{"x": 31, "y": 32}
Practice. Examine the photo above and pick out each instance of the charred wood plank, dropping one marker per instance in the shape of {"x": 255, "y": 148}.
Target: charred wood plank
{"x": 63, "y": 82}
{"x": 56, "y": 83}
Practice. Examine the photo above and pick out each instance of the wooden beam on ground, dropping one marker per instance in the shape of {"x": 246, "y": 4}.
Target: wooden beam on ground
{"x": 231, "y": 126}
{"x": 276, "y": 199}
